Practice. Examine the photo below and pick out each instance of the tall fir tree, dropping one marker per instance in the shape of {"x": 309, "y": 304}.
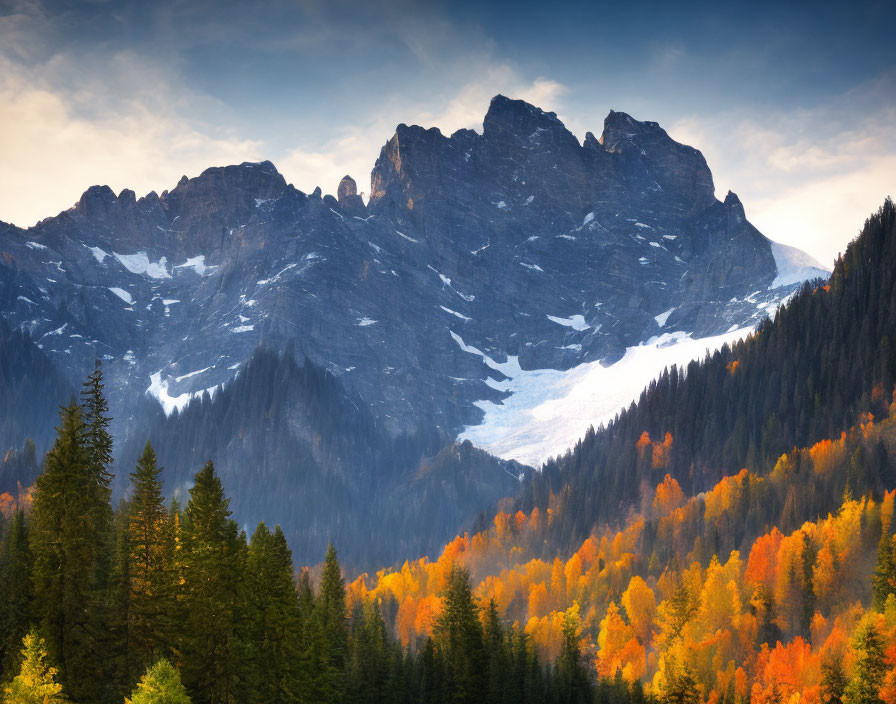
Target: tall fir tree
{"x": 458, "y": 637}
{"x": 67, "y": 541}
{"x": 273, "y": 633}
{"x": 150, "y": 574}
{"x": 213, "y": 561}
{"x": 571, "y": 677}
{"x": 16, "y": 593}
{"x": 870, "y": 666}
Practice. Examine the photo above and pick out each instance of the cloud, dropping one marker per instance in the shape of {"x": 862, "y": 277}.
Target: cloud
{"x": 355, "y": 147}
{"x": 808, "y": 177}
{"x": 57, "y": 141}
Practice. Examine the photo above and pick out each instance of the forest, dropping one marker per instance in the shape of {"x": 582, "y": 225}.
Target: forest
{"x": 154, "y": 602}
{"x": 729, "y": 538}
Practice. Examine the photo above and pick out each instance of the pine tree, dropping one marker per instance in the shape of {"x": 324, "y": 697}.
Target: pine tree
{"x": 16, "y": 592}
{"x": 67, "y": 541}
{"x": 36, "y": 682}
{"x": 833, "y": 680}
{"x": 458, "y": 637}
{"x": 273, "y": 629}
{"x": 572, "y": 678}
{"x": 213, "y": 561}
{"x": 370, "y": 662}
{"x": 870, "y": 667}
{"x": 331, "y": 607}
{"x": 150, "y": 583}
{"x": 160, "y": 685}
{"x": 681, "y": 688}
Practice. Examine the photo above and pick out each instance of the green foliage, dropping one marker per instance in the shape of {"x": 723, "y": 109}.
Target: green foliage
{"x": 150, "y": 574}
{"x": 571, "y": 675}
{"x": 16, "y": 591}
{"x": 68, "y": 539}
{"x": 36, "y": 682}
{"x": 160, "y": 685}
{"x": 459, "y": 639}
{"x": 273, "y": 637}
{"x": 213, "y": 565}
{"x": 869, "y": 669}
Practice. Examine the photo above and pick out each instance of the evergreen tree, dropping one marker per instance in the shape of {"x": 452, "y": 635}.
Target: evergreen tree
{"x": 833, "y": 680}
{"x": 160, "y": 685}
{"x": 370, "y": 666}
{"x": 213, "y": 561}
{"x": 67, "y": 539}
{"x": 681, "y": 688}
{"x": 571, "y": 679}
{"x": 150, "y": 577}
{"x": 36, "y": 682}
{"x": 16, "y": 592}
{"x": 870, "y": 667}
{"x": 458, "y": 638}
{"x": 331, "y": 608}
{"x": 273, "y": 629}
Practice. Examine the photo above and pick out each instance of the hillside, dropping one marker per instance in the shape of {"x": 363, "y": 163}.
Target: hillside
{"x": 825, "y": 358}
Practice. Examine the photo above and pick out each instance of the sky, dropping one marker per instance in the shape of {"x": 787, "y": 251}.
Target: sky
{"x": 794, "y": 107}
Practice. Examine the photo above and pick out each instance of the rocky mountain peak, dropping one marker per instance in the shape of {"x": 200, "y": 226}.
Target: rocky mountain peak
{"x": 648, "y": 153}
{"x": 96, "y": 201}
{"x": 517, "y": 121}
{"x": 347, "y": 195}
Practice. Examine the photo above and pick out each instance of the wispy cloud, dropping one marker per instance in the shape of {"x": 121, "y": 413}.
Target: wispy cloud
{"x": 56, "y": 142}
{"x": 807, "y": 177}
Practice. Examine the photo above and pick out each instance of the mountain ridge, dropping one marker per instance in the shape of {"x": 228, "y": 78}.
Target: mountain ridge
{"x": 477, "y": 257}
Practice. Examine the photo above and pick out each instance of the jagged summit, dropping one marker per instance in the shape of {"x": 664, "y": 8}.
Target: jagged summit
{"x": 484, "y": 270}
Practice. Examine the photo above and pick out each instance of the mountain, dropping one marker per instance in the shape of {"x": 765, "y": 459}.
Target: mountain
{"x": 485, "y": 274}
{"x": 825, "y": 363}
{"x": 295, "y": 450}
{"x": 747, "y": 555}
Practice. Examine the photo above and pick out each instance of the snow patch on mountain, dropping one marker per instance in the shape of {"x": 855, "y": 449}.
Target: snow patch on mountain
{"x": 122, "y": 294}
{"x": 158, "y": 389}
{"x": 198, "y": 265}
{"x": 576, "y": 322}
{"x": 548, "y": 410}
{"x": 139, "y": 263}
{"x": 794, "y": 265}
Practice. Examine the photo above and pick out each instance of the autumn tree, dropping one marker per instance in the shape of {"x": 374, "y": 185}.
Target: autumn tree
{"x": 160, "y": 685}
{"x": 36, "y": 682}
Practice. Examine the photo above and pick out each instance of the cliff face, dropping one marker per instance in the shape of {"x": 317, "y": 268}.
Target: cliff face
{"x": 518, "y": 241}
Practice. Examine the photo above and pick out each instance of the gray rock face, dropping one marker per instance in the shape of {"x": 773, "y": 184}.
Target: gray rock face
{"x": 472, "y": 239}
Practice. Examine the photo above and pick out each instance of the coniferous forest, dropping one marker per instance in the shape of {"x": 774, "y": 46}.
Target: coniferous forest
{"x": 729, "y": 538}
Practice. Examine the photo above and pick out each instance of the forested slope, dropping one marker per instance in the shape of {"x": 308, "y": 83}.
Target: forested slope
{"x": 806, "y": 375}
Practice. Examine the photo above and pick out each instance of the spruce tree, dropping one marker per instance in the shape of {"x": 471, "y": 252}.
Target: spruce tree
{"x": 571, "y": 678}
{"x": 213, "y": 561}
{"x": 331, "y": 608}
{"x": 458, "y": 637}
{"x": 833, "y": 679}
{"x": 67, "y": 541}
{"x": 273, "y": 628}
{"x": 869, "y": 669}
{"x": 16, "y": 593}
{"x": 150, "y": 583}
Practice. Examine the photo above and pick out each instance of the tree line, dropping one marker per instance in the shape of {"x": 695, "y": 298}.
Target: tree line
{"x": 162, "y": 603}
